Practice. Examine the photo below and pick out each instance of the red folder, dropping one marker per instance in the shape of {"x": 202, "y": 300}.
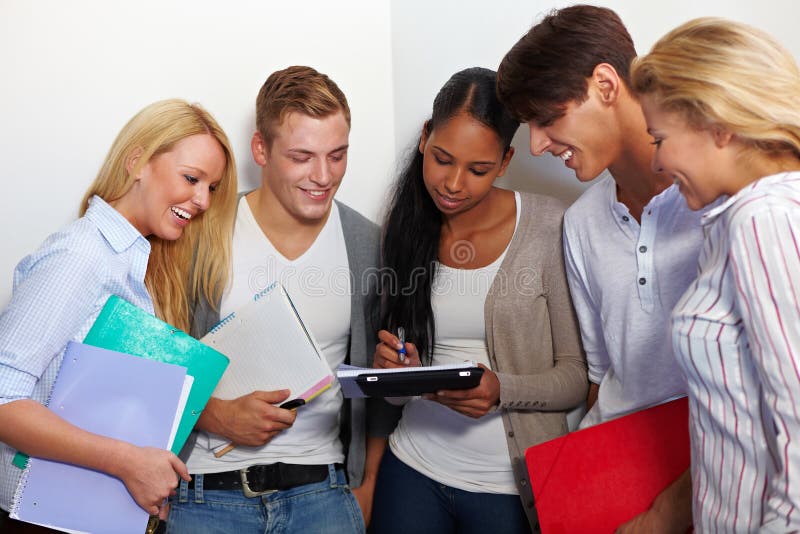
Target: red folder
{"x": 593, "y": 480}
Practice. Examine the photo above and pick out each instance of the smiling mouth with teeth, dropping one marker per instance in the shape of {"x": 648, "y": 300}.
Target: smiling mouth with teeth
{"x": 566, "y": 154}
{"x": 182, "y": 214}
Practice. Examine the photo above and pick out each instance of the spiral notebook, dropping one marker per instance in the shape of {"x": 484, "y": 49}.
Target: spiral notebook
{"x": 269, "y": 348}
{"x": 112, "y": 394}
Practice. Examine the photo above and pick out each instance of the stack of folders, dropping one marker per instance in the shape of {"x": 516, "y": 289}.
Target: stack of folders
{"x": 123, "y": 327}
{"x": 136, "y": 379}
{"x": 270, "y": 349}
{"x": 115, "y": 395}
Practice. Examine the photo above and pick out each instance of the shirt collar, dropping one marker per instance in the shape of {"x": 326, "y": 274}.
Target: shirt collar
{"x": 666, "y": 196}
{"x": 115, "y": 228}
{"x": 712, "y": 214}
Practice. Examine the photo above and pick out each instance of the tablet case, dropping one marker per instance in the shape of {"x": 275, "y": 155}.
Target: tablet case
{"x": 418, "y": 383}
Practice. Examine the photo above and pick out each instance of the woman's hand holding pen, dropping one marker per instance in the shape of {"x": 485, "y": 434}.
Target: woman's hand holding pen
{"x": 388, "y": 355}
{"x": 475, "y": 402}
{"x": 149, "y": 474}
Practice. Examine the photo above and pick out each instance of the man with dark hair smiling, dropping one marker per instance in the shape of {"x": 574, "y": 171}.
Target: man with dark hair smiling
{"x": 631, "y": 243}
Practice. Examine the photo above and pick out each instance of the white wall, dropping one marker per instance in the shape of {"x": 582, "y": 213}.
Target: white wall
{"x": 74, "y": 72}
{"x": 433, "y": 39}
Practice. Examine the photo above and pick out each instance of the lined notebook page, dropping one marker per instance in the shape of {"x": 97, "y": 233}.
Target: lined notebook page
{"x": 269, "y": 348}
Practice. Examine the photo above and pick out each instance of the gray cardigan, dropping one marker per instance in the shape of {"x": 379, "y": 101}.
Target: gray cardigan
{"x": 358, "y": 418}
{"x": 533, "y": 337}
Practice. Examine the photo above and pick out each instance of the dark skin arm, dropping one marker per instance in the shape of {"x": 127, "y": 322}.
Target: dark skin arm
{"x": 591, "y": 397}
{"x": 365, "y": 493}
{"x": 670, "y": 513}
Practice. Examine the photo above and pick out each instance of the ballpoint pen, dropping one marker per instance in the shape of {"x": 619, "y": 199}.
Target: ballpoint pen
{"x": 401, "y": 335}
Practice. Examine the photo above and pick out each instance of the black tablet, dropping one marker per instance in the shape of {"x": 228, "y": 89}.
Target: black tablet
{"x": 404, "y": 384}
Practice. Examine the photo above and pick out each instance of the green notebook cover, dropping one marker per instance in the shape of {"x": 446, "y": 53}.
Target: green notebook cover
{"x": 123, "y": 327}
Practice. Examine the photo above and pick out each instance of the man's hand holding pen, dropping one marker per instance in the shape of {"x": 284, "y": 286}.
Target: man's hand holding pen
{"x": 250, "y": 420}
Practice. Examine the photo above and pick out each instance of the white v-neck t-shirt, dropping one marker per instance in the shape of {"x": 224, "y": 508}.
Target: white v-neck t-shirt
{"x": 318, "y": 283}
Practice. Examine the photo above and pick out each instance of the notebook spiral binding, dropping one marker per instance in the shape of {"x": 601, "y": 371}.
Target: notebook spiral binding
{"x": 16, "y": 500}
{"x": 264, "y": 292}
{"x": 217, "y": 327}
{"x": 261, "y": 294}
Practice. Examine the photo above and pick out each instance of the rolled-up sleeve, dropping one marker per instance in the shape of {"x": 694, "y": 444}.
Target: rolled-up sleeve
{"x": 53, "y": 296}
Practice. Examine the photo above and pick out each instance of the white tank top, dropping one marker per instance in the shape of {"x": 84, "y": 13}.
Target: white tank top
{"x": 453, "y": 449}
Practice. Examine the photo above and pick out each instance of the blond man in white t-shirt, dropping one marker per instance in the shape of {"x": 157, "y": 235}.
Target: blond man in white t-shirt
{"x": 292, "y": 471}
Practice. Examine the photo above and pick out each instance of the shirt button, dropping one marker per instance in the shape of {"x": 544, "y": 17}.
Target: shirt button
{"x": 523, "y": 482}
{"x": 625, "y": 218}
{"x": 510, "y": 433}
{"x": 643, "y": 249}
{"x": 642, "y": 281}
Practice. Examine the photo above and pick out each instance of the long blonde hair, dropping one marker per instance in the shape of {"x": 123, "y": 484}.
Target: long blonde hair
{"x": 197, "y": 265}
{"x": 717, "y": 72}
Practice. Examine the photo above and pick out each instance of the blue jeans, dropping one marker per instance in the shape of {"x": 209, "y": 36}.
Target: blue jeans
{"x": 324, "y": 507}
{"x": 408, "y": 501}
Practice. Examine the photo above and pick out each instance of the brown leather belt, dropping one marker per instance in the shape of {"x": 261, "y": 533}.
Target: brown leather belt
{"x": 260, "y": 479}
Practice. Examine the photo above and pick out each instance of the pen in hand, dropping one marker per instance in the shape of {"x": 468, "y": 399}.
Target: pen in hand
{"x": 401, "y": 335}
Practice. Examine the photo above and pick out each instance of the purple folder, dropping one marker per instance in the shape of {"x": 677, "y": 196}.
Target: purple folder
{"x": 116, "y": 395}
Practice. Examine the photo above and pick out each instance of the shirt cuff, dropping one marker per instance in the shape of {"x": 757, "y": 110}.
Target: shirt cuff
{"x": 596, "y": 376}
{"x": 15, "y": 384}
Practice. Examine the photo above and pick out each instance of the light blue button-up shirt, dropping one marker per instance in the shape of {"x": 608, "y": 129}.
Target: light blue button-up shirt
{"x": 59, "y": 291}
{"x": 625, "y": 277}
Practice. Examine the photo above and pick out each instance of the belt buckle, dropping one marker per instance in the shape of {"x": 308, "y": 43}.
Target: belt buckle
{"x": 246, "y": 485}
{"x": 152, "y": 524}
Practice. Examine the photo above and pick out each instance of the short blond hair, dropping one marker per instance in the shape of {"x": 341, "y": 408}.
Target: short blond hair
{"x": 198, "y": 263}
{"x": 717, "y": 72}
{"x": 297, "y": 89}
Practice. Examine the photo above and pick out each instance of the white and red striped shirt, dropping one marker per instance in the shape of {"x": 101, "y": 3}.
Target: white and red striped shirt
{"x": 736, "y": 333}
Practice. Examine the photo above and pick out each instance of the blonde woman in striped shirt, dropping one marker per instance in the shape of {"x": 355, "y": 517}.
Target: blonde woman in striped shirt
{"x": 722, "y": 102}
